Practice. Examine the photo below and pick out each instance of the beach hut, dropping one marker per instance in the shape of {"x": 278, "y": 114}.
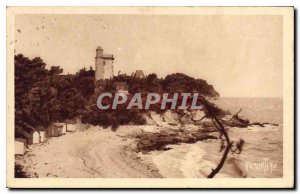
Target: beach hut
{"x": 71, "y": 127}
{"x": 35, "y": 137}
{"x": 55, "y": 130}
{"x": 20, "y": 146}
{"x": 64, "y": 129}
{"x": 43, "y": 136}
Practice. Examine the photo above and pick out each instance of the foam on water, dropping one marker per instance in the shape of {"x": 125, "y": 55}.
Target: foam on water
{"x": 194, "y": 158}
{"x": 261, "y": 156}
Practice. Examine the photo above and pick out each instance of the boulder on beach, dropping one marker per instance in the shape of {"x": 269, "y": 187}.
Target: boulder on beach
{"x": 158, "y": 141}
{"x": 171, "y": 118}
{"x": 158, "y": 119}
{"x": 198, "y": 115}
{"x": 241, "y": 119}
{"x": 206, "y": 122}
{"x": 149, "y": 120}
{"x": 186, "y": 118}
{"x": 191, "y": 127}
{"x": 235, "y": 121}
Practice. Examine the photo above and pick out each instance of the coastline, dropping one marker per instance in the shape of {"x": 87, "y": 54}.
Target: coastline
{"x": 102, "y": 153}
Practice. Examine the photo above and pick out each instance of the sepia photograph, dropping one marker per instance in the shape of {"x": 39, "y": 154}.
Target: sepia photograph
{"x": 150, "y": 97}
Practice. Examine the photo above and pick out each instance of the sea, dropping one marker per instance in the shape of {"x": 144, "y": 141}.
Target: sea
{"x": 261, "y": 156}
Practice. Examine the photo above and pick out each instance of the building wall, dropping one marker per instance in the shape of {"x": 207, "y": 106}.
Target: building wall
{"x": 100, "y": 71}
{"x": 43, "y": 136}
{"x": 109, "y": 69}
{"x": 54, "y": 131}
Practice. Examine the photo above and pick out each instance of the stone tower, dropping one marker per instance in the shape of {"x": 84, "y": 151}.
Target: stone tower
{"x": 104, "y": 65}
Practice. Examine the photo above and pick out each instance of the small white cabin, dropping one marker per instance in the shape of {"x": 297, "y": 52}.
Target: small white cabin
{"x": 35, "y": 137}
{"x": 71, "y": 127}
{"x": 64, "y": 129}
{"x": 20, "y": 146}
{"x": 55, "y": 130}
{"x": 43, "y": 136}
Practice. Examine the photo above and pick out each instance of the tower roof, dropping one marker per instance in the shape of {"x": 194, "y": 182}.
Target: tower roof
{"x": 139, "y": 74}
{"x": 99, "y": 48}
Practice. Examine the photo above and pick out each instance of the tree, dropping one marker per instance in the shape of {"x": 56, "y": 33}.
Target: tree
{"x": 32, "y": 93}
{"x": 43, "y": 96}
{"x": 180, "y": 82}
{"x": 215, "y": 113}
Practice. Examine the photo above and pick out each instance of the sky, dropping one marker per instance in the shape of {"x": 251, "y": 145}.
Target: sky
{"x": 241, "y": 56}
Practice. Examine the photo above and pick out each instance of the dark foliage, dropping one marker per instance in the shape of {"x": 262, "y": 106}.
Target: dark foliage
{"x": 45, "y": 95}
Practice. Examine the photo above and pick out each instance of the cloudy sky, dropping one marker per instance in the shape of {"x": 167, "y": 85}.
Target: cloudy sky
{"x": 240, "y": 56}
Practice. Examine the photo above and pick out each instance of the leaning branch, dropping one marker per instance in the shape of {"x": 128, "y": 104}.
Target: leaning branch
{"x": 222, "y": 130}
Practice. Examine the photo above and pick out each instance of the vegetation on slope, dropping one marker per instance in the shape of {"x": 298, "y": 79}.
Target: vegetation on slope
{"x": 44, "y": 95}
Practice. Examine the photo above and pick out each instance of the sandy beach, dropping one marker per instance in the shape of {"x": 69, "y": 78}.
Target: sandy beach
{"x": 86, "y": 154}
{"x": 102, "y": 153}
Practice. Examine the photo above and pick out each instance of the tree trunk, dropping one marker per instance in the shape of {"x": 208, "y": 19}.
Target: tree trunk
{"x": 222, "y": 130}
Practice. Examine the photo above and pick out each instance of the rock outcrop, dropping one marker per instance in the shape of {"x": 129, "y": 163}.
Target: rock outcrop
{"x": 158, "y": 141}
{"x": 171, "y": 118}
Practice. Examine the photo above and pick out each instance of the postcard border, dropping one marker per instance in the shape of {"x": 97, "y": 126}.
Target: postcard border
{"x": 288, "y": 100}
